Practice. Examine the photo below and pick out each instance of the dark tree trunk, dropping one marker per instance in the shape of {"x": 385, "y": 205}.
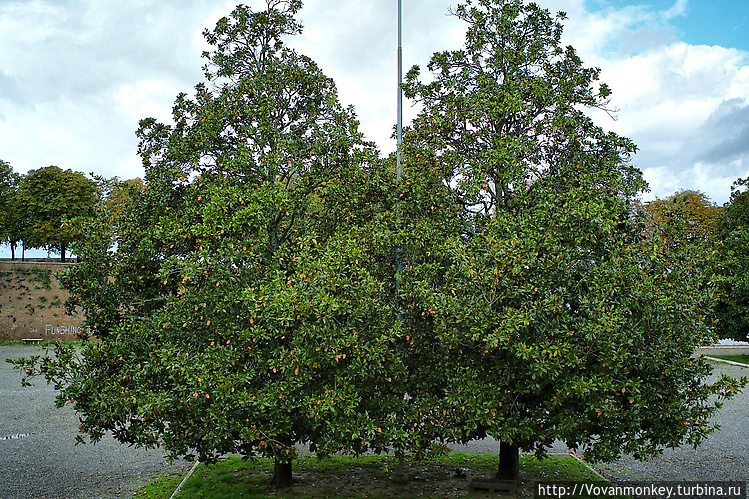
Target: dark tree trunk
{"x": 399, "y": 476}
{"x": 62, "y": 253}
{"x": 282, "y": 477}
{"x": 12, "y": 251}
{"x": 509, "y": 462}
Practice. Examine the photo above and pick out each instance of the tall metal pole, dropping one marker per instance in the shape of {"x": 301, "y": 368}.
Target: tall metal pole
{"x": 399, "y": 131}
{"x": 400, "y": 471}
{"x": 399, "y": 154}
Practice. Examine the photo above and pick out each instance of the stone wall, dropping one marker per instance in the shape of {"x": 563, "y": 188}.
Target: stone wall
{"x": 32, "y": 304}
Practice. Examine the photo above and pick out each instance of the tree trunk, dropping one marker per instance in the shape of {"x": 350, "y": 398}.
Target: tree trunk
{"x": 62, "y": 253}
{"x": 509, "y": 462}
{"x": 282, "y": 477}
{"x": 400, "y": 471}
{"x": 12, "y": 251}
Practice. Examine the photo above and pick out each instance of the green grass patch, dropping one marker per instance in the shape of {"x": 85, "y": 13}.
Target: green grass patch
{"x": 161, "y": 485}
{"x": 365, "y": 476}
{"x": 742, "y": 359}
{"x": 38, "y": 344}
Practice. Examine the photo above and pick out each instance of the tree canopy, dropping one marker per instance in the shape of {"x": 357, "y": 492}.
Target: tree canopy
{"x": 507, "y": 110}
{"x": 559, "y": 317}
{"x": 205, "y": 346}
{"x": 732, "y": 265}
{"x": 685, "y": 217}
{"x": 11, "y": 220}
{"x": 48, "y": 197}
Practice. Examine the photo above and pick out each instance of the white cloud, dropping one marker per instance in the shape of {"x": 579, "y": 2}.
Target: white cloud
{"x": 145, "y": 98}
{"x": 674, "y": 100}
{"x": 668, "y": 99}
{"x": 77, "y": 75}
{"x": 356, "y": 43}
{"x": 678, "y": 9}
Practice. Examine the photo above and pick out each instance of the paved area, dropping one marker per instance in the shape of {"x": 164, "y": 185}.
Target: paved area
{"x": 38, "y": 455}
{"x": 724, "y": 350}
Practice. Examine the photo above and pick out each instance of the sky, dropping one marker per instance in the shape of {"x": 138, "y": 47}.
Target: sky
{"x": 76, "y": 76}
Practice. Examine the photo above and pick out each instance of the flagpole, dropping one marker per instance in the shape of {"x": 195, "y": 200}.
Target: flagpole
{"x": 399, "y": 144}
{"x": 399, "y": 159}
{"x": 400, "y": 471}
{"x": 399, "y": 130}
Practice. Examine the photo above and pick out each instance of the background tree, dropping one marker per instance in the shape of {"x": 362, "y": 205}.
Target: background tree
{"x": 8, "y": 185}
{"x": 685, "y": 217}
{"x": 11, "y": 211}
{"x": 556, "y": 317}
{"x": 732, "y": 265}
{"x": 686, "y": 224}
{"x": 49, "y": 197}
{"x": 117, "y": 195}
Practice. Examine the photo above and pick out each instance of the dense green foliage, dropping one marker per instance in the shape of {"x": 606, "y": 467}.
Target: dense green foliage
{"x": 48, "y": 197}
{"x": 218, "y": 310}
{"x": 732, "y": 265}
{"x": 558, "y": 317}
{"x": 11, "y": 214}
{"x": 252, "y": 303}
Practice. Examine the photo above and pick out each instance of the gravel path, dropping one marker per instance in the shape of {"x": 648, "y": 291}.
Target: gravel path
{"x": 38, "y": 455}
{"x": 38, "y": 458}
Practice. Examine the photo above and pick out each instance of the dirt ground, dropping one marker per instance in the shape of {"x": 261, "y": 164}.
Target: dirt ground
{"x": 424, "y": 480}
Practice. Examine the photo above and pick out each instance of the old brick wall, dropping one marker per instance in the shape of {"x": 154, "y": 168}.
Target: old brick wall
{"x": 32, "y": 305}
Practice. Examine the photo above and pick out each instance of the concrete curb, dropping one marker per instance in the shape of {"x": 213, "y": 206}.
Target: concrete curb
{"x": 187, "y": 477}
{"x": 716, "y": 359}
{"x": 581, "y": 461}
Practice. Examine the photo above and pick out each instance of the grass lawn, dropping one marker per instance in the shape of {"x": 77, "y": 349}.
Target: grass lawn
{"x": 37, "y": 344}
{"x": 366, "y": 476}
{"x": 742, "y": 359}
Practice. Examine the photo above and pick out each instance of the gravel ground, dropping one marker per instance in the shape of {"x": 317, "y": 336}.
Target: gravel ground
{"x": 38, "y": 455}
{"x": 38, "y": 458}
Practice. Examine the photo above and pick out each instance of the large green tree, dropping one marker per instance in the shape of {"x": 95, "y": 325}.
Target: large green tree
{"x": 252, "y": 300}
{"x": 221, "y": 325}
{"x": 49, "y": 197}
{"x": 732, "y": 265}
{"x": 553, "y": 315}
